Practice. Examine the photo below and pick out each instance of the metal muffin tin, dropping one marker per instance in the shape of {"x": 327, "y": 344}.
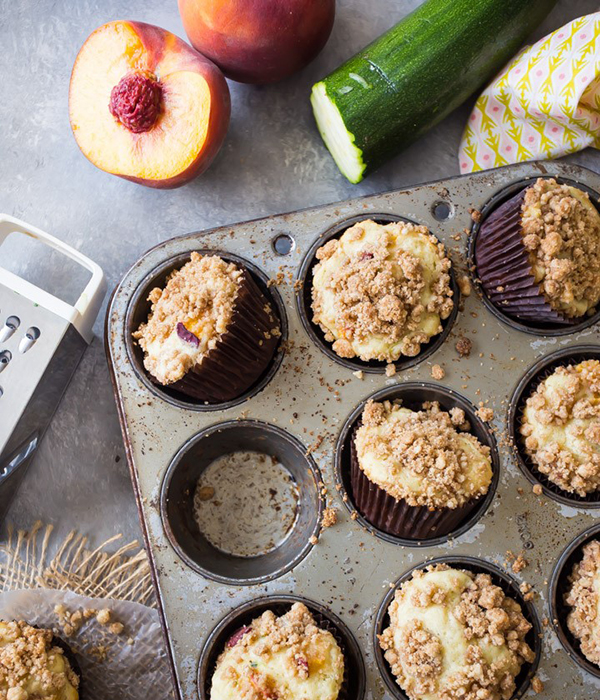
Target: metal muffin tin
{"x": 310, "y": 396}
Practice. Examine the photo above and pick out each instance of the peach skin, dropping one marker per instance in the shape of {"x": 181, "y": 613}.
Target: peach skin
{"x": 258, "y": 41}
{"x": 145, "y": 106}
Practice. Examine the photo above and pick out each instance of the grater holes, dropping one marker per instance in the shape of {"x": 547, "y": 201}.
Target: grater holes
{"x": 30, "y": 337}
{"x": 5, "y": 358}
{"x": 10, "y": 326}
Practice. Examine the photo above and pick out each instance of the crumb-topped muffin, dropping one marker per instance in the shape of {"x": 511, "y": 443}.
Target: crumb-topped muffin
{"x": 583, "y": 597}
{"x": 422, "y": 457}
{"x": 454, "y": 635}
{"x": 287, "y": 657}
{"x": 32, "y": 667}
{"x": 561, "y": 427}
{"x": 561, "y": 232}
{"x": 538, "y": 254}
{"x": 210, "y": 331}
{"x": 381, "y": 291}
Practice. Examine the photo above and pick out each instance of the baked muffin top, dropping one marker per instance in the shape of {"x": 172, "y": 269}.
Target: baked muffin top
{"x": 561, "y": 231}
{"x": 381, "y": 290}
{"x": 422, "y": 457}
{"x": 583, "y": 596}
{"x": 31, "y": 668}
{"x": 561, "y": 426}
{"x": 188, "y": 316}
{"x": 454, "y": 635}
{"x": 287, "y": 658}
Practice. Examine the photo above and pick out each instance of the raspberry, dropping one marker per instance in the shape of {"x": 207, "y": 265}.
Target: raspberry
{"x": 135, "y": 102}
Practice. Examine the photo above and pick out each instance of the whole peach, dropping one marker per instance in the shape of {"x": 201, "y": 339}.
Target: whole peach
{"x": 258, "y": 41}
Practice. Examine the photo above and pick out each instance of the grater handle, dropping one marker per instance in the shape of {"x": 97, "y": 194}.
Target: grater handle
{"x": 85, "y": 310}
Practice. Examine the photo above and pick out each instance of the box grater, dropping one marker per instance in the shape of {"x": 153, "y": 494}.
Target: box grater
{"x": 42, "y": 339}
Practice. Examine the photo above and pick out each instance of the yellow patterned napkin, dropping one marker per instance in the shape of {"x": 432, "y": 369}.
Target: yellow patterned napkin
{"x": 545, "y": 103}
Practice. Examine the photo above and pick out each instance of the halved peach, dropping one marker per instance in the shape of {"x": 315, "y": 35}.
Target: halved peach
{"x": 145, "y": 106}
{"x": 258, "y": 41}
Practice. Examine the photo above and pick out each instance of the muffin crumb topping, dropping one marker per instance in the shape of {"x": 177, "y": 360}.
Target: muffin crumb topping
{"x": 561, "y": 427}
{"x": 583, "y": 597}
{"x": 561, "y": 231}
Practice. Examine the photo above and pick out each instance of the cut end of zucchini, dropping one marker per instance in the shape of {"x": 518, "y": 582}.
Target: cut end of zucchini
{"x": 337, "y": 138}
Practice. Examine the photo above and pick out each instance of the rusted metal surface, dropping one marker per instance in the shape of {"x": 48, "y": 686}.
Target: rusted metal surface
{"x": 311, "y": 396}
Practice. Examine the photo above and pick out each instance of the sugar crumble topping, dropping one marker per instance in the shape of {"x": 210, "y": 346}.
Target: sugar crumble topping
{"x": 379, "y": 290}
{"x": 583, "y": 597}
{"x": 561, "y": 231}
{"x": 427, "y": 446}
{"x": 420, "y": 658}
{"x": 561, "y": 427}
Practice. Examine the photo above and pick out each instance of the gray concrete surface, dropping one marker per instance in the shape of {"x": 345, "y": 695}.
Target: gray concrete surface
{"x": 273, "y": 161}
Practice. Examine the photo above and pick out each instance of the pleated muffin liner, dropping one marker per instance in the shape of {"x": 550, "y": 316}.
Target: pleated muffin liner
{"x": 242, "y": 354}
{"x": 397, "y": 518}
{"x": 505, "y": 271}
{"x": 323, "y": 623}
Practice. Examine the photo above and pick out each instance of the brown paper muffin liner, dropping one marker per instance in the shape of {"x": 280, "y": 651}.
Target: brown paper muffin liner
{"x": 397, "y": 517}
{"x": 242, "y": 354}
{"x": 504, "y": 269}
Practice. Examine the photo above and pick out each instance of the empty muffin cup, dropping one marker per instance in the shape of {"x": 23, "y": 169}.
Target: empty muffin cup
{"x": 304, "y": 283}
{"x": 240, "y": 502}
{"x": 558, "y": 587}
{"x": 395, "y": 520}
{"x": 475, "y": 566}
{"x": 541, "y": 370}
{"x": 245, "y": 356}
{"x": 503, "y": 270}
{"x": 354, "y": 682}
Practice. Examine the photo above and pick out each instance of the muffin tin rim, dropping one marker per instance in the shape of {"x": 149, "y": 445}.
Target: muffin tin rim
{"x": 178, "y": 260}
{"x": 490, "y": 205}
{"x": 382, "y": 611}
{"x": 176, "y": 460}
{"x": 472, "y": 519}
{"x": 203, "y": 673}
{"x": 557, "y": 571}
{"x": 303, "y": 279}
{"x": 516, "y": 399}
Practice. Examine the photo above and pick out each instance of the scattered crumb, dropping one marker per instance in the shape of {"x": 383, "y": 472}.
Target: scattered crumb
{"x": 116, "y": 628}
{"x": 486, "y": 414}
{"x": 390, "y": 370}
{"x": 464, "y": 284}
{"x": 537, "y": 685}
{"x": 353, "y": 515}
{"x": 437, "y": 372}
{"x": 475, "y": 215}
{"x": 205, "y": 493}
{"x": 463, "y": 346}
{"x": 329, "y": 517}
{"x": 519, "y": 564}
{"x": 537, "y": 489}
{"x": 313, "y": 540}
{"x": 527, "y": 591}
{"x": 103, "y": 616}
{"x": 99, "y": 652}
{"x": 359, "y": 374}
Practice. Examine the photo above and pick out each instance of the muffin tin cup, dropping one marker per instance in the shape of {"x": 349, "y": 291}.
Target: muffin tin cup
{"x": 397, "y": 518}
{"x": 557, "y": 589}
{"x": 354, "y": 682}
{"x": 177, "y": 502}
{"x": 542, "y": 369}
{"x": 246, "y": 357}
{"x": 393, "y": 520}
{"x": 476, "y": 566}
{"x": 242, "y": 354}
{"x": 304, "y": 304}
{"x": 502, "y": 270}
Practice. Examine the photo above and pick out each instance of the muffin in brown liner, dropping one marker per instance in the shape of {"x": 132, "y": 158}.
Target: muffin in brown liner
{"x": 397, "y": 517}
{"x": 504, "y": 269}
{"x": 541, "y": 370}
{"x": 354, "y": 682}
{"x": 242, "y": 353}
{"x": 476, "y": 566}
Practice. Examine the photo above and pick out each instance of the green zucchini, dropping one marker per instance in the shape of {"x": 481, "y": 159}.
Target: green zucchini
{"x": 410, "y": 78}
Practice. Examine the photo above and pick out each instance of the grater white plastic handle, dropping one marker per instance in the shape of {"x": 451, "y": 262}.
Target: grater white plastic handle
{"x": 84, "y": 312}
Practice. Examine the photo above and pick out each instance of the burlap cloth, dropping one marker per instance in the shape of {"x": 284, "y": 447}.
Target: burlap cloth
{"x": 34, "y": 585}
